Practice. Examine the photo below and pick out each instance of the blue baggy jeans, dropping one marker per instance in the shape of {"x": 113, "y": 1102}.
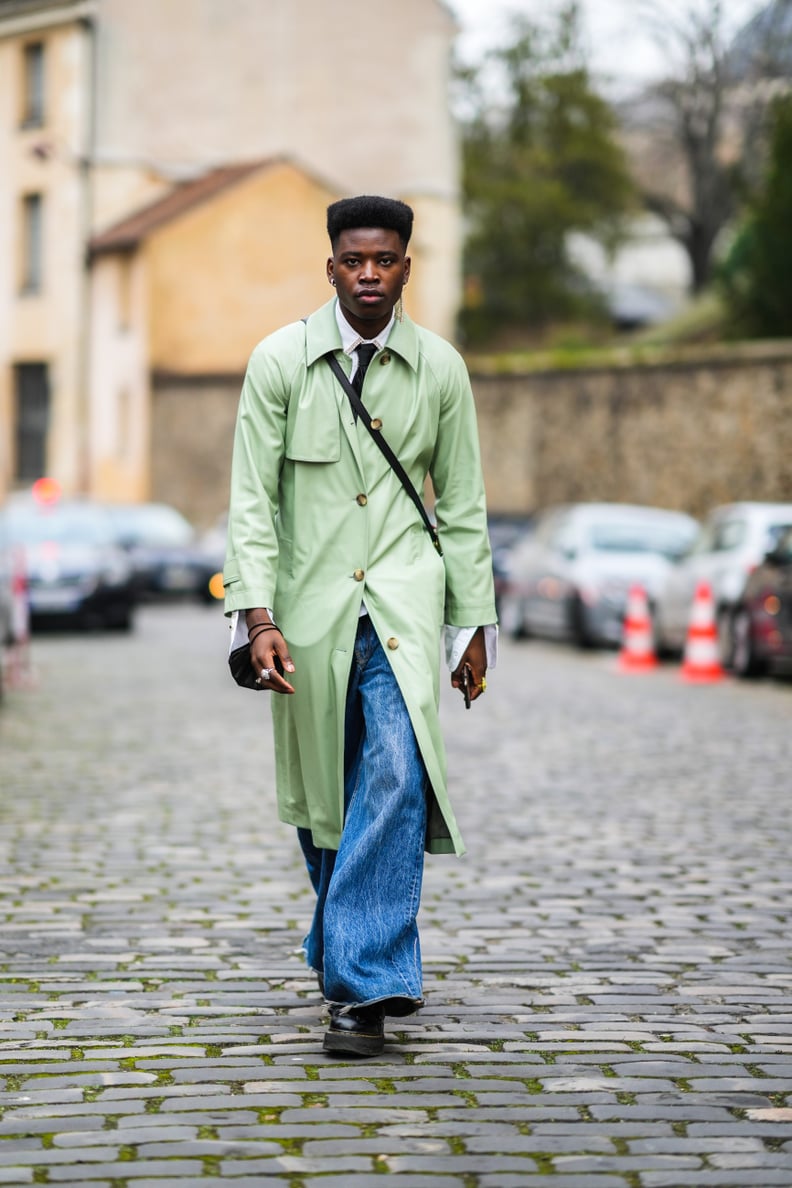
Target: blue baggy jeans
{"x": 364, "y": 934}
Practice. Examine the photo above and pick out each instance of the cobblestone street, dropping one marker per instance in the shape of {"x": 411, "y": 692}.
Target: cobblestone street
{"x": 608, "y": 969}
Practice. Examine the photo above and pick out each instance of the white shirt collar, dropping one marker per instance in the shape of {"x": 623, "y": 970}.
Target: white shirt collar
{"x": 351, "y": 340}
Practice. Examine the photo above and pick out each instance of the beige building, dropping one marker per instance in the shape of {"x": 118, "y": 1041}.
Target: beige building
{"x": 109, "y": 109}
{"x": 180, "y": 291}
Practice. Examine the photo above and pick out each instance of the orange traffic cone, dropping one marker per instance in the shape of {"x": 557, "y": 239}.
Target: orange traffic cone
{"x": 702, "y": 661}
{"x": 637, "y": 651}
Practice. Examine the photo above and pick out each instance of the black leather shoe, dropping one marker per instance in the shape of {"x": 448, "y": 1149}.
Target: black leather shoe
{"x": 399, "y": 1007}
{"x": 358, "y": 1032}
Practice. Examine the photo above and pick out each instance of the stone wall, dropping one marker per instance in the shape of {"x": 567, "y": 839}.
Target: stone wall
{"x": 192, "y": 436}
{"x": 686, "y": 433}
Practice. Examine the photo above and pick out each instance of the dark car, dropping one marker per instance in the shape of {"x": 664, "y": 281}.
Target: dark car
{"x": 75, "y": 574}
{"x": 164, "y": 550}
{"x": 762, "y": 623}
{"x": 213, "y": 547}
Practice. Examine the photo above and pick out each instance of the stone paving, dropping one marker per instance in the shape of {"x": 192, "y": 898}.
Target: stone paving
{"x": 608, "y": 971}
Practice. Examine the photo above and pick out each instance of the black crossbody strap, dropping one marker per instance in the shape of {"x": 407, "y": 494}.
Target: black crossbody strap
{"x": 385, "y": 449}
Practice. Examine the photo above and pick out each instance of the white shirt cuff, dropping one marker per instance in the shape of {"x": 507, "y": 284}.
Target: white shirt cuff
{"x": 458, "y": 638}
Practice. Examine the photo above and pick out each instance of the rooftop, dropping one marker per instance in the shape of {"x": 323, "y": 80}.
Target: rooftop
{"x": 128, "y": 232}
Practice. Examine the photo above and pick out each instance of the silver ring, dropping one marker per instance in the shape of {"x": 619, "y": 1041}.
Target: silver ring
{"x": 265, "y": 674}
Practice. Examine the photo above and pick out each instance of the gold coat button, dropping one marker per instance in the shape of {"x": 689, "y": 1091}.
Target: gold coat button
{"x": 358, "y": 575}
{"x": 393, "y": 643}
{"x": 384, "y": 358}
{"x": 362, "y": 499}
{"x": 376, "y": 423}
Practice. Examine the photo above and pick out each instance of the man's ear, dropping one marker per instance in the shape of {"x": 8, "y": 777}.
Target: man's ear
{"x": 330, "y": 269}
{"x": 407, "y": 265}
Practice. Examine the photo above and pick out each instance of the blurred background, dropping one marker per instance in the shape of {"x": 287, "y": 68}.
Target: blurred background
{"x": 602, "y": 196}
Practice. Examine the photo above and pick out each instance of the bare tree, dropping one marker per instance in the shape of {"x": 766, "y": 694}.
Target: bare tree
{"x": 704, "y": 120}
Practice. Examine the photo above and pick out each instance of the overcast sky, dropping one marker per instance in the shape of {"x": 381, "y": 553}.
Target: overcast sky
{"x": 621, "y": 49}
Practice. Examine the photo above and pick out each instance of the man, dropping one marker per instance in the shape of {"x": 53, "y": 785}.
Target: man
{"x": 325, "y": 543}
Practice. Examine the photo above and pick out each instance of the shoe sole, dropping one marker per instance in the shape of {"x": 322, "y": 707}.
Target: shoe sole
{"x": 353, "y": 1045}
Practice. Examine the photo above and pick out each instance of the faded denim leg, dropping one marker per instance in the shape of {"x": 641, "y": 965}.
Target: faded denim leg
{"x": 364, "y": 934}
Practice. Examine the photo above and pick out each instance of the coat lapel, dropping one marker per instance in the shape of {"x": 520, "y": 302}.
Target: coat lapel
{"x": 321, "y": 337}
{"x": 345, "y": 410}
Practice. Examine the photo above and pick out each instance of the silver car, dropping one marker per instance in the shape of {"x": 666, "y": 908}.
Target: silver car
{"x": 733, "y": 541}
{"x": 571, "y": 577}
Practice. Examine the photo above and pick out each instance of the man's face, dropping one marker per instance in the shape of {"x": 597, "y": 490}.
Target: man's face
{"x": 370, "y": 270}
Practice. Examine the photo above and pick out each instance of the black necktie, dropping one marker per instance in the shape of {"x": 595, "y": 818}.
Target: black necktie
{"x": 365, "y": 353}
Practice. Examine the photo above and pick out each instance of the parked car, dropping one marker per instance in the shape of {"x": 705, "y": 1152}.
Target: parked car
{"x": 762, "y": 621}
{"x": 732, "y": 542}
{"x": 212, "y": 544}
{"x": 74, "y": 571}
{"x": 6, "y": 599}
{"x": 164, "y": 550}
{"x": 571, "y": 577}
{"x": 504, "y": 533}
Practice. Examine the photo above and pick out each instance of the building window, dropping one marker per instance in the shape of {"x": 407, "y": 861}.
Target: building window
{"x": 124, "y": 291}
{"x": 33, "y": 85}
{"x": 32, "y": 420}
{"x": 31, "y": 243}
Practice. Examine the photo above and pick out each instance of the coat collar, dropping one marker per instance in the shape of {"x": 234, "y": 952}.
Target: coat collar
{"x": 322, "y": 336}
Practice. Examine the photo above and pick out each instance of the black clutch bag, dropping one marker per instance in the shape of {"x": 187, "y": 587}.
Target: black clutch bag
{"x": 243, "y": 672}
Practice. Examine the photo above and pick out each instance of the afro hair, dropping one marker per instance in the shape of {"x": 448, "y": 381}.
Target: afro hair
{"x": 369, "y": 211}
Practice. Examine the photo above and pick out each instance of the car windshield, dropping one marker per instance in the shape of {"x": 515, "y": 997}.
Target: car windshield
{"x": 151, "y": 524}
{"x": 783, "y": 546}
{"x": 775, "y": 534}
{"x": 638, "y": 536}
{"x": 61, "y": 524}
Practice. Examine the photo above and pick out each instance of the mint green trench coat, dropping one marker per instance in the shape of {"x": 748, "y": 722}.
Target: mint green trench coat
{"x": 318, "y": 523}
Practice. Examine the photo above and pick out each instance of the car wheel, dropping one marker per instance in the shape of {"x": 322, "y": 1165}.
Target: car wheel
{"x": 120, "y": 620}
{"x": 661, "y": 645}
{"x": 521, "y": 629}
{"x": 744, "y": 659}
{"x": 578, "y": 628}
{"x": 725, "y": 629}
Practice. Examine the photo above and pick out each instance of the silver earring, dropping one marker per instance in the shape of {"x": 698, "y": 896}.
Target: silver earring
{"x": 332, "y": 282}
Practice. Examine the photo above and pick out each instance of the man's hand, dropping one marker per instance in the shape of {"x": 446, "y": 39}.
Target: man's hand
{"x": 269, "y": 652}
{"x": 475, "y": 656}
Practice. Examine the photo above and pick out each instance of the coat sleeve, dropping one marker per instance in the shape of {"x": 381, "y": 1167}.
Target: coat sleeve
{"x": 460, "y": 505}
{"x": 251, "y": 564}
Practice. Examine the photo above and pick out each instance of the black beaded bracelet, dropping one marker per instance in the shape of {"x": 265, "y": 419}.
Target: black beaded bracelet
{"x": 262, "y": 627}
